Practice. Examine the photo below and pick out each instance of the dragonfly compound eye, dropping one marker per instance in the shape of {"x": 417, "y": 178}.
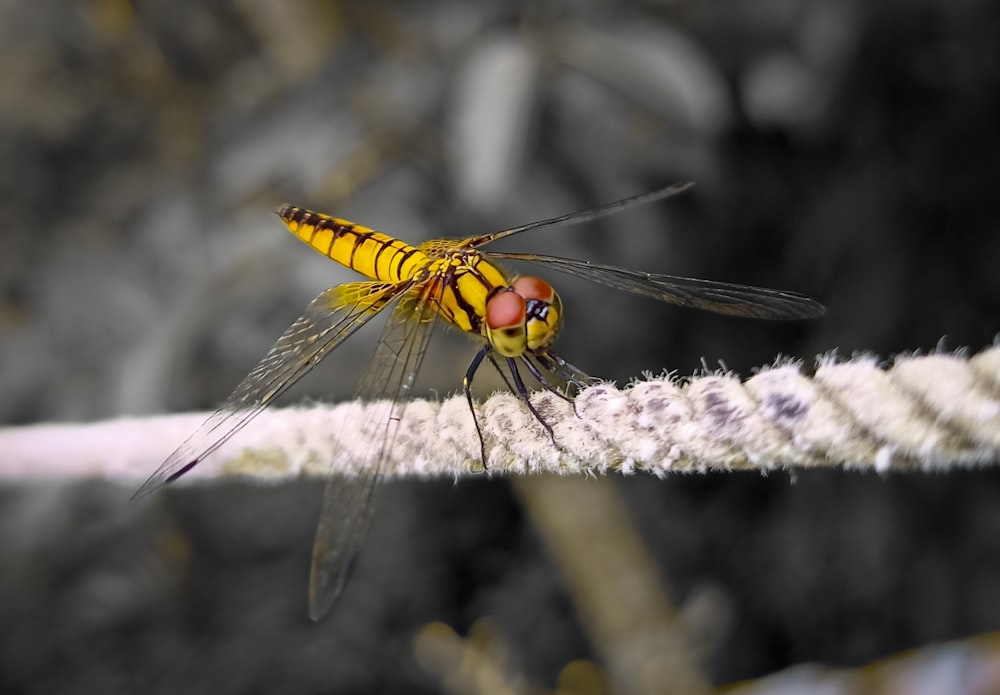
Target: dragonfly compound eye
{"x": 505, "y": 323}
{"x": 543, "y": 310}
{"x": 530, "y": 287}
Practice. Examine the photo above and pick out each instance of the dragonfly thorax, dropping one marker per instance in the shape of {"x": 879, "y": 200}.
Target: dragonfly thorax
{"x": 524, "y": 317}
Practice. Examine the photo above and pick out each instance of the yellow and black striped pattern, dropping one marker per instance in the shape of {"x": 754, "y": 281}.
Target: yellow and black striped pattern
{"x": 460, "y": 280}
{"x": 373, "y": 254}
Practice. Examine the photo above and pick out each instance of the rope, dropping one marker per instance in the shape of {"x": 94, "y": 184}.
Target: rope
{"x": 922, "y": 412}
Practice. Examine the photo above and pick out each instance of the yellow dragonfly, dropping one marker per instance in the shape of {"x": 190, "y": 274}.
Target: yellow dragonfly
{"x": 517, "y": 318}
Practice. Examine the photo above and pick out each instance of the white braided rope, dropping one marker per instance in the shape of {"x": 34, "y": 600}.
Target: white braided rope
{"x": 933, "y": 411}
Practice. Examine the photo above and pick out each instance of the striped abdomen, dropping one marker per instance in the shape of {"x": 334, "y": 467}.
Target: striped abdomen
{"x": 373, "y": 254}
{"x": 457, "y": 280}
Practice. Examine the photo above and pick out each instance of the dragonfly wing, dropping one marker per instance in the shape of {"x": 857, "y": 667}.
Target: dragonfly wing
{"x": 583, "y": 215}
{"x": 718, "y": 297}
{"x": 348, "y": 503}
{"x": 328, "y": 320}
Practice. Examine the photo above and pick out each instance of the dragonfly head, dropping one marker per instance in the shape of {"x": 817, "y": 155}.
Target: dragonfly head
{"x": 524, "y": 317}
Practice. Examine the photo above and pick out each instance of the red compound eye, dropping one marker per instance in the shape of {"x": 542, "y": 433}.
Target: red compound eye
{"x": 505, "y": 310}
{"x": 530, "y": 287}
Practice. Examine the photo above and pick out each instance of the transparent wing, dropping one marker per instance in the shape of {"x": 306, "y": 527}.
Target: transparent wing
{"x": 349, "y": 502}
{"x": 328, "y": 320}
{"x": 582, "y": 215}
{"x": 718, "y": 297}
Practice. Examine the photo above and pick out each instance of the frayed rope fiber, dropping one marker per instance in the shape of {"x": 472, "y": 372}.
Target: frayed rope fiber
{"x": 923, "y": 412}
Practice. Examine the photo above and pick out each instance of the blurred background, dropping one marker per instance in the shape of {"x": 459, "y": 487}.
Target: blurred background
{"x": 845, "y": 150}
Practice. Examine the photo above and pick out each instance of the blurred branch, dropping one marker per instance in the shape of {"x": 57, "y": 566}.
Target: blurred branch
{"x": 935, "y": 411}
{"x": 477, "y": 664}
{"x": 615, "y": 585}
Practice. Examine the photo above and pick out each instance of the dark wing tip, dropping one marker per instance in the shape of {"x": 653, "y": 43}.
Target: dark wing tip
{"x": 160, "y": 479}
{"x": 326, "y": 582}
{"x": 783, "y": 306}
{"x": 788, "y": 306}
{"x": 811, "y": 309}
{"x": 152, "y": 484}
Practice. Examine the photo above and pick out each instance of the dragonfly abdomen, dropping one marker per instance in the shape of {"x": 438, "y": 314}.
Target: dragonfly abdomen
{"x": 373, "y": 254}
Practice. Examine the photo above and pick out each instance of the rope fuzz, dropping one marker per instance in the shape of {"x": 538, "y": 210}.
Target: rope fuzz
{"x": 928, "y": 412}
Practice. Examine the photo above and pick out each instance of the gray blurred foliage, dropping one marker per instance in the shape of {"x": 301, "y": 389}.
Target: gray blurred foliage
{"x": 845, "y": 150}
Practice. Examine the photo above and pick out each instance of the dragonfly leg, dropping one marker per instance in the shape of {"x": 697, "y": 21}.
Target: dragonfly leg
{"x": 503, "y": 375}
{"x": 574, "y": 375}
{"x": 522, "y": 391}
{"x": 556, "y": 364}
{"x": 537, "y": 373}
{"x": 467, "y": 387}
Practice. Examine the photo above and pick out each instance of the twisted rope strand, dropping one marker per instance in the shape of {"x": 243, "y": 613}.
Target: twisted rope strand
{"x": 924, "y": 412}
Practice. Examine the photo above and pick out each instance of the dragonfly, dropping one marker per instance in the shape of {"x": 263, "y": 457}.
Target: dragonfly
{"x": 517, "y": 318}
